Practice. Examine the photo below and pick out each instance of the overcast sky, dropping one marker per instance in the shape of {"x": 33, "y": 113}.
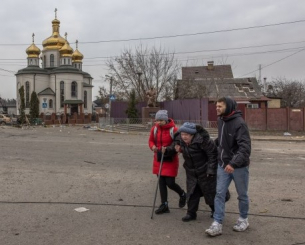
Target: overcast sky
{"x": 96, "y": 20}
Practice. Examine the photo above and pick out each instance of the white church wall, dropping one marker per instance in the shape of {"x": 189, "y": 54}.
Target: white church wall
{"x": 44, "y": 100}
{"x": 41, "y": 83}
{"x": 68, "y": 79}
{"x": 89, "y": 101}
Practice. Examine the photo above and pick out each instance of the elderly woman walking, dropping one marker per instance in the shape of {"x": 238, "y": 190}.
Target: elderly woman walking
{"x": 200, "y": 162}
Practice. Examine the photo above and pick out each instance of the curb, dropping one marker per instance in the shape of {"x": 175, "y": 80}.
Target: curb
{"x": 212, "y": 136}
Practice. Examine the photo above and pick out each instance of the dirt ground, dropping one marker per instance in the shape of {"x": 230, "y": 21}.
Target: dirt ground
{"x": 46, "y": 173}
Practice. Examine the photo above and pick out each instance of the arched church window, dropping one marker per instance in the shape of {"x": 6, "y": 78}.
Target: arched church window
{"x": 52, "y": 60}
{"x": 27, "y": 94}
{"x": 62, "y": 93}
{"x": 85, "y": 99}
{"x": 74, "y": 89}
{"x": 51, "y": 103}
{"x": 44, "y": 62}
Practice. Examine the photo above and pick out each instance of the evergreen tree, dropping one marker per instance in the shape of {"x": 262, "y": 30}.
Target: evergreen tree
{"x": 132, "y": 111}
{"x": 22, "y": 105}
{"x": 34, "y": 106}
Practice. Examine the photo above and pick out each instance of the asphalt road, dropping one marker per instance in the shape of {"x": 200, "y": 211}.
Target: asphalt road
{"x": 46, "y": 173}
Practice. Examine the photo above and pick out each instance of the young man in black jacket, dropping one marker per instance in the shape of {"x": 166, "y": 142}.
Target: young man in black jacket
{"x": 234, "y": 149}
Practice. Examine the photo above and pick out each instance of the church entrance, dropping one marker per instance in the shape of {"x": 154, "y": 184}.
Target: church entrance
{"x": 74, "y": 108}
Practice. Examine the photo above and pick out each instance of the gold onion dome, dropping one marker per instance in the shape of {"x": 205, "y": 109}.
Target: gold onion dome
{"x": 55, "y": 41}
{"x": 66, "y": 50}
{"x": 77, "y": 56}
{"x": 33, "y": 51}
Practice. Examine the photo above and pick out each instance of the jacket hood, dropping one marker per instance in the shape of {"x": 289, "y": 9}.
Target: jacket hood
{"x": 170, "y": 124}
{"x": 231, "y": 106}
{"x": 234, "y": 114}
{"x": 201, "y": 135}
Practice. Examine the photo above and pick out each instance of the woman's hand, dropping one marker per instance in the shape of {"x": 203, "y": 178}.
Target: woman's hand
{"x": 154, "y": 148}
{"x": 163, "y": 149}
{"x": 177, "y": 148}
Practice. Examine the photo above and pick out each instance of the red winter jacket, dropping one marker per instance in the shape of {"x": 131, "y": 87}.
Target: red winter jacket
{"x": 164, "y": 138}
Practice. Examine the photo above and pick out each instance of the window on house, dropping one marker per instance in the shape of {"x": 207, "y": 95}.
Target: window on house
{"x": 62, "y": 93}
{"x": 85, "y": 99}
{"x": 27, "y": 94}
{"x": 52, "y": 60}
{"x": 253, "y": 106}
{"x": 50, "y": 103}
{"x": 74, "y": 89}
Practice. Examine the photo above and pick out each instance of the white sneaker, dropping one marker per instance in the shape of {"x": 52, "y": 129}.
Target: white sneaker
{"x": 215, "y": 229}
{"x": 241, "y": 224}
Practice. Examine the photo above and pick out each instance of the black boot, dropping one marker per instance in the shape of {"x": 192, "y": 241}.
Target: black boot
{"x": 189, "y": 217}
{"x": 162, "y": 209}
{"x": 182, "y": 200}
{"x": 212, "y": 210}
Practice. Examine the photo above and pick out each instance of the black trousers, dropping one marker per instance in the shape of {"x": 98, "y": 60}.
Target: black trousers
{"x": 193, "y": 202}
{"x": 169, "y": 182}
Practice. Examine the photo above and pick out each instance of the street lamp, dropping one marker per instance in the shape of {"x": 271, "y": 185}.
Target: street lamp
{"x": 110, "y": 94}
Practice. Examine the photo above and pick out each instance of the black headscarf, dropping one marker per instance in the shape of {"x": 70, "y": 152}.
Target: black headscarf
{"x": 231, "y": 106}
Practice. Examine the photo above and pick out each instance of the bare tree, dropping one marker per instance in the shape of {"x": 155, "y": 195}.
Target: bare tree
{"x": 143, "y": 69}
{"x": 103, "y": 95}
{"x": 292, "y": 92}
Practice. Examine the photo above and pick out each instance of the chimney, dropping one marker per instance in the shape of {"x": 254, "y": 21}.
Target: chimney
{"x": 210, "y": 65}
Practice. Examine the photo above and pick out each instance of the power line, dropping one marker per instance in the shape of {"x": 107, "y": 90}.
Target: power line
{"x": 195, "y": 34}
{"x": 179, "y": 35}
{"x": 275, "y": 62}
{"x": 207, "y": 50}
{"x": 190, "y": 52}
{"x": 200, "y": 57}
{"x": 241, "y": 54}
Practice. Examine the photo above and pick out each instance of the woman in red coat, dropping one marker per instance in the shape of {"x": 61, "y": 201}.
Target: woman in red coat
{"x": 161, "y": 135}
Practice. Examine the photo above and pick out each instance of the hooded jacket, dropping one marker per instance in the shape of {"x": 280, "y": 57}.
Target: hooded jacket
{"x": 161, "y": 138}
{"x": 234, "y": 143}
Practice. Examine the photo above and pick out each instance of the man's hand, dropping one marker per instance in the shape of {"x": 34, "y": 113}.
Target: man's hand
{"x": 177, "y": 148}
{"x": 154, "y": 148}
{"x": 229, "y": 169}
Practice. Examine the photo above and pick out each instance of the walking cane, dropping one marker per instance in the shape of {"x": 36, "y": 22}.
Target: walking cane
{"x": 153, "y": 207}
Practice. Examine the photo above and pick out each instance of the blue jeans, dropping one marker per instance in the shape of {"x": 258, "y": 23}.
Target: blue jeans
{"x": 240, "y": 176}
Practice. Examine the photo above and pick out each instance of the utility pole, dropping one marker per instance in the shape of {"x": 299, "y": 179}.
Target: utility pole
{"x": 111, "y": 78}
{"x": 260, "y": 74}
{"x": 139, "y": 73}
{"x": 265, "y": 84}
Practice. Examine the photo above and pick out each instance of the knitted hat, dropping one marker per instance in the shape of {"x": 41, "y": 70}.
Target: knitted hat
{"x": 161, "y": 115}
{"x": 188, "y": 127}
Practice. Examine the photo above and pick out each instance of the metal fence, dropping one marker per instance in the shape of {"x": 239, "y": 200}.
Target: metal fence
{"x": 144, "y": 125}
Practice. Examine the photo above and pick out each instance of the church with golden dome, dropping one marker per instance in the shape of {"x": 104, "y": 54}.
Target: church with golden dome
{"x": 56, "y": 75}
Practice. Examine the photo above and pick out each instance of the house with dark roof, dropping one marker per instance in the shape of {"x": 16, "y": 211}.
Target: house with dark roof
{"x": 216, "y": 81}
{"x": 210, "y": 71}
